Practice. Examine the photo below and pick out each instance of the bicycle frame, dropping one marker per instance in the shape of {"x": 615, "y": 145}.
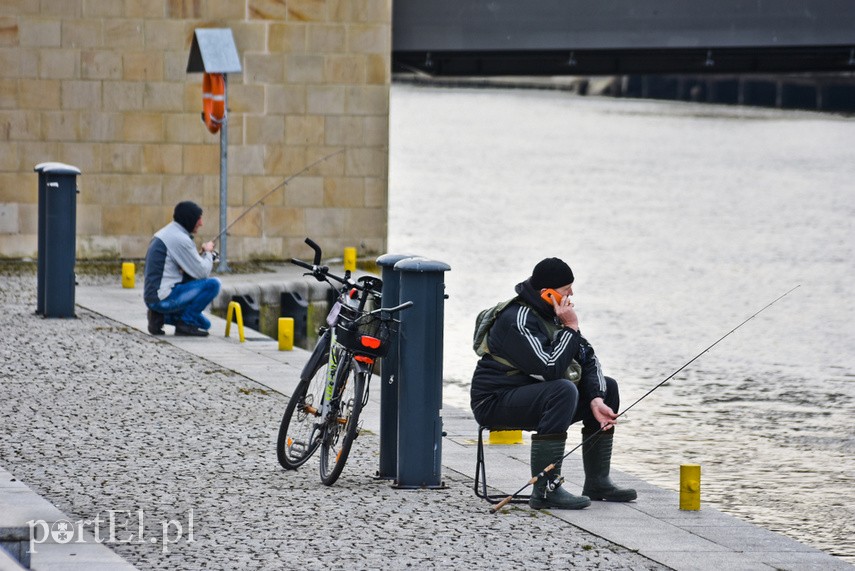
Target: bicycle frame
{"x": 336, "y": 355}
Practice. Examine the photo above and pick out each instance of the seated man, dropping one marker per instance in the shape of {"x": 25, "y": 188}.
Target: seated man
{"x": 177, "y": 286}
{"x": 540, "y": 374}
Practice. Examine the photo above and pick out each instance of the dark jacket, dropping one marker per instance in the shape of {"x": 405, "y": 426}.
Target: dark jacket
{"x": 527, "y": 335}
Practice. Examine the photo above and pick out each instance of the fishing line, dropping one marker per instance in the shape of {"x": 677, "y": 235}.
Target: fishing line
{"x": 274, "y": 189}
{"x": 549, "y": 468}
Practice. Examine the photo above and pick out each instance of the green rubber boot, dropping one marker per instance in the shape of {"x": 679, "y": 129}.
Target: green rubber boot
{"x": 545, "y": 450}
{"x": 597, "y": 459}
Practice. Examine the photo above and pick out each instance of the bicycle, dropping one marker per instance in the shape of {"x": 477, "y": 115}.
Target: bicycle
{"x": 323, "y": 412}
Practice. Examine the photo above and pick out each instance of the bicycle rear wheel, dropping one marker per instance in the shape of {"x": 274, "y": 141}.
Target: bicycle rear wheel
{"x": 343, "y": 429}
{"x": 300, "y": 430}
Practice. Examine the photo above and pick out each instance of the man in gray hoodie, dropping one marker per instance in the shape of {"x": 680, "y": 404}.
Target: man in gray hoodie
{"x": 177, "y": 286}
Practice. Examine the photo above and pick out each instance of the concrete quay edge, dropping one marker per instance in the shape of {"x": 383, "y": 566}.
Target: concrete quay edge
{"x": 22, "y": 505}
{"x": 653, "y": 526}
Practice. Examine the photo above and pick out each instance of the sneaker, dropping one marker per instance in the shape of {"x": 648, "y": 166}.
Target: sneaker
{"x": 155, "y": 322}
{"x": 184, "y": 330}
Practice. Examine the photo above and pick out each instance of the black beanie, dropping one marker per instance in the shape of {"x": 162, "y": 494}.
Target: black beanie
{"x": 187, "y": 214}
{"x": 551, "y": 273}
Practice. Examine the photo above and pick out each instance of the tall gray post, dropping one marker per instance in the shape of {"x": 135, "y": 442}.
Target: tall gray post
{"x": 60, "y": 239}
{"x": 224, "y": 182}
{"x": 389, "y": 373}
{"x": 42, "y": 230}
{"x": 420, "y": 374}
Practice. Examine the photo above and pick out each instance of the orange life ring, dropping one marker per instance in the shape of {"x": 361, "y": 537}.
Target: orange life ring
{"x": 213, "y": 101}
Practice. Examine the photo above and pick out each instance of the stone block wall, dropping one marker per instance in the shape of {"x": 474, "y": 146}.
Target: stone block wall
{"x": 102, "y": 85}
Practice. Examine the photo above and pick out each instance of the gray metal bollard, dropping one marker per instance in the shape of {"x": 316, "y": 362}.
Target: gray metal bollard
{"x": 420, "y": 374}
{"x": 40, "y": 263}
{"x": 60, "y": 238}
{"x": 389, "y": 373}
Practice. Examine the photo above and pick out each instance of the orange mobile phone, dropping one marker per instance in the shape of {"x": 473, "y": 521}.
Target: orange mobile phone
{"x": 549, "y": 294}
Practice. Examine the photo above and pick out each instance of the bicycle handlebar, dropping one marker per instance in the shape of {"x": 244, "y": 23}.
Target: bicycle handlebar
{"x": 308, "y": 266}
{"x": 322, "y": 273}
{"x": 316, "y": 248}
{"x": 397, "y": 308}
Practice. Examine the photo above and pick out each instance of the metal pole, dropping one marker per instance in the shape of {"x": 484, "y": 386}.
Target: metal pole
{"x": 389, "y": 373}
{"x": 42, "y": 228}
{"x": 60, "y": 239}
{"x": 420, "y": 374}
{"x": 224, "y": 178}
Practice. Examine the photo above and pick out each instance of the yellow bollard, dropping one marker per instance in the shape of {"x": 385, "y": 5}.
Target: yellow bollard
{"x": 234, "y": 308}
{"x": 350, "y": 259}
{"x": 690, "y": 487}
{"x": 506, "y": 437}
{"x": 286, "y": 333}
{"x": 128, "y": 275}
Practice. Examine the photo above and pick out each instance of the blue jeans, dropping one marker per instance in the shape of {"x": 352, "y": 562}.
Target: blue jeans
{"x": 187, "y": 301}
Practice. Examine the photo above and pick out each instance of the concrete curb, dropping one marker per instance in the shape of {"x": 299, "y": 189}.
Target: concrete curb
{"x": 22, "y": 505}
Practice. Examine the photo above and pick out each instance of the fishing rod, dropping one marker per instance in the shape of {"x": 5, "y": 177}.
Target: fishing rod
{"x": 543, "y": 473}
{"x": 277, "y": 187}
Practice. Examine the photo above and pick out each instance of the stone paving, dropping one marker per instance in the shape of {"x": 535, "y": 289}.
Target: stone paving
{"x": 98, "y": 416}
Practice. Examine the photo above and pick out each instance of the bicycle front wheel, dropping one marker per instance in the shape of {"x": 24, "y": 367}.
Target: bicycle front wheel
{"x": 300, "y": 430}
{"x": 343, "y": 427}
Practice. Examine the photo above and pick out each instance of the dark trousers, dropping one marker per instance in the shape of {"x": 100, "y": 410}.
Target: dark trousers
{"x": 548, "y": 407}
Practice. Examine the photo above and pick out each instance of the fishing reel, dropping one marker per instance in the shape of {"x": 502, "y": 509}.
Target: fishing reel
{"x": 554, "y": 483}
{"x": 215, "y": 255}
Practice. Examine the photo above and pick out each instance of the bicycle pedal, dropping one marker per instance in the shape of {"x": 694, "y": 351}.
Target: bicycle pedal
{"x": 297, "y": 447}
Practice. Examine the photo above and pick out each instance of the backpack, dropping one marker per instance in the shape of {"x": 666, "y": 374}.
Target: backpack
{"x": 483, "y": 324}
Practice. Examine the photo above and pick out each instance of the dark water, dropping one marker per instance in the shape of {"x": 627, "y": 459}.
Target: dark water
{"x": 680, "y": 221}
